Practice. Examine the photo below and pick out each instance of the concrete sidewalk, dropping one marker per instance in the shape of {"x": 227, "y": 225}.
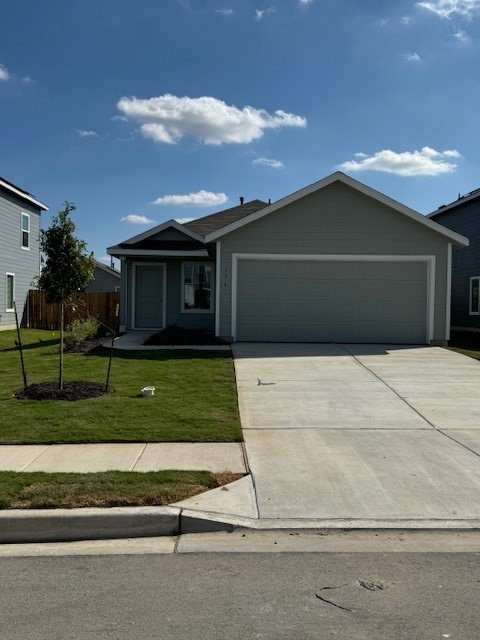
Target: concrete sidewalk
{"x": 89, "y": 458}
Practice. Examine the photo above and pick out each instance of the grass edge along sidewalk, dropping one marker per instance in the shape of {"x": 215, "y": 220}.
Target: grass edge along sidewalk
{"x": 38, "y": 490}
{"x": 195, "y": 398}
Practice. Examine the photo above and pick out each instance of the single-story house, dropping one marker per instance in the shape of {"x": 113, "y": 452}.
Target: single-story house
{"x": 463, "y": 216}
{"x": 105, "y": 279}
{"x": 336, "y": 261}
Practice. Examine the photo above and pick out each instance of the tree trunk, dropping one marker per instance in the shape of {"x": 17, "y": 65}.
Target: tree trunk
{"x": 60, "y": 370}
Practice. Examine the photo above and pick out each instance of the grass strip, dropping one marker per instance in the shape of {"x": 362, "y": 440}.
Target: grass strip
{"x": 38, "y": 490}
{"x": 466, "y": 343}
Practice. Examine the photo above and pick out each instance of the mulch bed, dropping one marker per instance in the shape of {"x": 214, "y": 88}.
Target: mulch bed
{"x": 74, "y": 390}
{"x": 174, "y": 335}
{"x": 89, "y": 345}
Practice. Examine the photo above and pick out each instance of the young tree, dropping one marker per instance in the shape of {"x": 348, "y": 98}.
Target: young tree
{"x": 68, "y": 266}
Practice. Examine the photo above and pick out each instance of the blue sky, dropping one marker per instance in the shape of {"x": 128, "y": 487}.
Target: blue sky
{"x": 143, "y": 111}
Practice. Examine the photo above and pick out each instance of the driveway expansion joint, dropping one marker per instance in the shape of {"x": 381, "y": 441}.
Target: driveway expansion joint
{"x": 408, "y": 403}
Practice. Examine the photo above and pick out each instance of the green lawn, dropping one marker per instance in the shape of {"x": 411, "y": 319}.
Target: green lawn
{"x": 195, "y": 398}
{"x": 108, "y": 489}
{"x": 466, "y": 342}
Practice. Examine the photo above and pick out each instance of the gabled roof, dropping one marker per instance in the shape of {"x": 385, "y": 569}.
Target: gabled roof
{"x": 473, "y": 195}
{"x": 209, "y": 224}
{"x": 159, "y": 228}
{"x": 144, "y": 243}
{"x": 107, "y": 269}
{"x": 20, "y": 193}
{"x": 338, "y": 176}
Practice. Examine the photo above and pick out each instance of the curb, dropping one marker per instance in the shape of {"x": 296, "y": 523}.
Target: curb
{"x": 67, "y": 525}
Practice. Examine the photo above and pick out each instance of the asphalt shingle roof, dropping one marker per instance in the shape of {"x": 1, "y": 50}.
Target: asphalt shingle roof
{"x": 215, "y": 221}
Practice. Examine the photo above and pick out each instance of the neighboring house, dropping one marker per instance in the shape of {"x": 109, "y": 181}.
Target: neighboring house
{"x": 463, "y": 216}
{"x": 19, "y": 250}
{"x": 104, "y": 279}
{"x": 333, "y": 262}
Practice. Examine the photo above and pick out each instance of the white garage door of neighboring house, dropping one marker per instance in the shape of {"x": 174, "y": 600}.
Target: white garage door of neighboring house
{"x": 331, "y": 301}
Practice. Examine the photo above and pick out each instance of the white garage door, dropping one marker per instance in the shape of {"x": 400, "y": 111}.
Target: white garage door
{"x": 319, "y": 301}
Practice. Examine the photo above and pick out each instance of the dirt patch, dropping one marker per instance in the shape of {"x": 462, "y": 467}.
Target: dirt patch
{"x": 71, "y": 391}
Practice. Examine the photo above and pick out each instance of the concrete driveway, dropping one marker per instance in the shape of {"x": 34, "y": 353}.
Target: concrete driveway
{"x": 361, "y": 431}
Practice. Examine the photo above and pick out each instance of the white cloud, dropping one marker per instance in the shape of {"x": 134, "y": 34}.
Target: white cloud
{"x": 199, "y": 199}
{"x": 184, "y": 220}
{"x": 169, "y": 118}
{"x": 262, "y": 13}
{"x": 27, "y": 80}
{"x": 305, "y": 1}
{"x": 86, "y": 134}
{"x": 119, "y": 118}
{"x": 225, "y": 12}
{"x": 461, "y": 36}
{"x": 4, "y": 75}
{"x": 426, "y": 162}
{"x": 405, "y": 20}
{"x": 447, "y": 8}
{"x": 133, "y": 218}
{"x": 269, "y": 162}
{"x": 411, "y": 57}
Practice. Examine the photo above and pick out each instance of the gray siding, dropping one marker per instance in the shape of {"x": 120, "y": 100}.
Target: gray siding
{"x": 335, "y": 220}
{"x": 464, "y": 219}
{"x": 103, "y": 281}
{"x": 173, "y": 295}
{"x": 13, "y": 259}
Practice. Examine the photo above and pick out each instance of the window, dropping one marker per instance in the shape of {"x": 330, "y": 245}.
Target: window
{"x": 25, "y": 231}
{"x": 474, "y": 297}
{"x": 10, "y": 291}
{"x": 197, "y": 281}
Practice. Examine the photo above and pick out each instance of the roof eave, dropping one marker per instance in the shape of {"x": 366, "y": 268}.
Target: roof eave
{"x": 338, "y": 176}
{"x": 119, "y": 252}
{"x": 161, "y": 227}
{"x": 23, "y": 196}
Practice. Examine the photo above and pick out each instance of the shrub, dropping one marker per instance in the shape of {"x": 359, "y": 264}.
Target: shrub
{"x": 81, "y": 330}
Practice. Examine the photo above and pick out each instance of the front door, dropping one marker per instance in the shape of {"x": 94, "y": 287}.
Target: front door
{"x": 149, "y": 294}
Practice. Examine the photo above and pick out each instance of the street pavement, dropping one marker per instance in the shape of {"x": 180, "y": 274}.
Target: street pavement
{"x": 372, "y": 595}
{"x": 361, "y": 431}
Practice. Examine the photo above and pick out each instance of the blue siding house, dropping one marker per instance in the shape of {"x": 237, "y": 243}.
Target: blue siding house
{"x": 19, "y": 250}
{"x": 463, "y": 216}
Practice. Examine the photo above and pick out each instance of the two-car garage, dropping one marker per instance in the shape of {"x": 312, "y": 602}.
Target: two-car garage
{"x": 333, "y": 299}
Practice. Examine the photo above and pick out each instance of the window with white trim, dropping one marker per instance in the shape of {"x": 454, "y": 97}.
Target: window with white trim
{"x": 25, "y": 231}
{"x": 474, "y": 296}
{"x": 197, "y": 287}
{"x": 9, "y": 291}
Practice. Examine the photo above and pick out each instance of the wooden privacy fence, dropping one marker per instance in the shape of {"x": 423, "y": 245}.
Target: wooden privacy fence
{"x": 42, "y": 315}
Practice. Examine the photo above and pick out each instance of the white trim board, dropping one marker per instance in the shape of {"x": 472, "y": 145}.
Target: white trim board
{"x": 449, "y": 292}
{"x": 218, "y": 259}
{"x": 22, "y": 194}
{"x": 354, "y": 184}
{"x": 164, "y": 306}
{"x": 430, "y": 260}
{"x": 118, "y": 252}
